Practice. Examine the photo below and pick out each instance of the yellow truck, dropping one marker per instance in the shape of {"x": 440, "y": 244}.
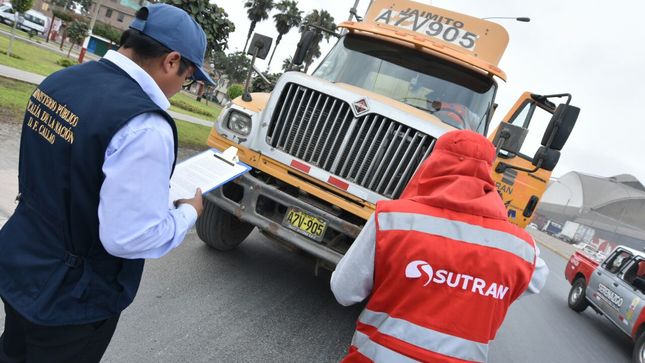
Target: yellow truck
{"x": 324, "y": 148}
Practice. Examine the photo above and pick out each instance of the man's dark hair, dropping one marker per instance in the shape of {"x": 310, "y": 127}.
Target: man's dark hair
{"x": 146, "y": 48}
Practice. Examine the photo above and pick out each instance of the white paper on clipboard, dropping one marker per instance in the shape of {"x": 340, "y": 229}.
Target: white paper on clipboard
{"x": 207, "y": 170}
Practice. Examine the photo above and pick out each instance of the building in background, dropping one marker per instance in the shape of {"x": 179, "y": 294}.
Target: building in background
{"x": 613, "y": 206}
{"x": 117, "y": 13}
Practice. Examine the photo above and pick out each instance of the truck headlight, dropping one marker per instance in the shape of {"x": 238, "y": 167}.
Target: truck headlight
{"x": 239, "y": 123}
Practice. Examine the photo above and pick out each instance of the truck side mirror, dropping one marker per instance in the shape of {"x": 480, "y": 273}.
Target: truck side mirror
{"x": 259, "y": 48}
{"x": 560, "y": 126}
{"x": 546, "y": 159}
{"x": 306, "y": 40}
{"x": 509, "y": 137}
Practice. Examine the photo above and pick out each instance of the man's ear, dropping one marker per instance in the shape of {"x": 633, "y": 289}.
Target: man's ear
{"x": 171, "y": 62}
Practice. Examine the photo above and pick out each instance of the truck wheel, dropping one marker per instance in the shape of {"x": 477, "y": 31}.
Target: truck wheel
{"x": 220, "y": 229}
{"x": 577, "y": 300}
{"x": 638, "y": 355}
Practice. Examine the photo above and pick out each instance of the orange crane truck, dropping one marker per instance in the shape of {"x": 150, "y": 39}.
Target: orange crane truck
{"x": 325, "y": 147}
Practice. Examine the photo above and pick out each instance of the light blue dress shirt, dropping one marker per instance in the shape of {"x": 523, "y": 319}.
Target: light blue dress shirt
{"x": 134, "y": 218}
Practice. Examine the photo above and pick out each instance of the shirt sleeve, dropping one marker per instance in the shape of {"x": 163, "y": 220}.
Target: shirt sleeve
{"x": 538, "y": 280}
{"x": 353, "y": 279}
{"x": 134, "y": 218}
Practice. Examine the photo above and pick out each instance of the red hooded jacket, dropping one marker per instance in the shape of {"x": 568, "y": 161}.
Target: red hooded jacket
{"x": 447, "y": 262}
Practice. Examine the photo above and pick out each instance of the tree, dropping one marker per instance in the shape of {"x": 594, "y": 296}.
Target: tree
{"x": 19, "y": 7}
{"x": 288, "y": 66}
{"x": 63, "y": 15}
{"x": 213, "y": 20}
{"x": 259, "y": 85}
{"x": 107, "y": 31}
{"x": 288, "y": 18}
{"x": 322, "y": 19}
{"x": 77, "y": 31}
{"x": 234, "y": 65}
{"x": 68, "y": 7}
{"x": 235, "y": 91}
{"x": 258, "y": 11}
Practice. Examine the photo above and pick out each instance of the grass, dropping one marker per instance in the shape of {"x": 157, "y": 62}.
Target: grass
{"x": 206, "y": 112}
{"x": 191, "y": 135}
{"x": 44, "y": 62}
{"x": 14, "y": 96}
{"x": 34, "y": 59}
{"x": 20, "y": 33}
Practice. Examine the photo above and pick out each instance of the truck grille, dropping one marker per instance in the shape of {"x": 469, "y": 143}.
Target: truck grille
{"x": 372, "y": 151}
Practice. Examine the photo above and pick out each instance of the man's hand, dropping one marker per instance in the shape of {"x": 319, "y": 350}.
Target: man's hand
{"x": 196, "y": 202}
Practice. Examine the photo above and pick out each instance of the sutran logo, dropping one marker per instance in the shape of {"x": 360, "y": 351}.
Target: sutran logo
{"x": 421, "y": 269}
{"x": 414, "y": 268}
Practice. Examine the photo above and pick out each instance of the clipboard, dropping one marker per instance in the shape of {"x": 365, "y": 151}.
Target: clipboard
{"x": 207, "y": 170}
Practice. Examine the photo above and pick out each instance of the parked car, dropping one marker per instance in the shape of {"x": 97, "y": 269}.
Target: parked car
{"x": 7, "y": 14}
{"x": 33, "y": 21}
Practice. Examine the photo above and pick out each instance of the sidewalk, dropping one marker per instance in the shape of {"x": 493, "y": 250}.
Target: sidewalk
{"x": 33, "y": 78}
{"x": 561, "y": 248}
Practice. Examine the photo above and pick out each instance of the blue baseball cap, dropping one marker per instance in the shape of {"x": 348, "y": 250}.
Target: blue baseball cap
{"x": 177, "y": 31}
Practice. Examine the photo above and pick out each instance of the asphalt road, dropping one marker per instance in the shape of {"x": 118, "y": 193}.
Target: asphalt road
{"x": 541, "y": 328}
{"x": 263, "y": 303}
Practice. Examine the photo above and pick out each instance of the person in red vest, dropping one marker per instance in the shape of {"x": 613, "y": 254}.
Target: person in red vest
{"x": 441, "y": 265}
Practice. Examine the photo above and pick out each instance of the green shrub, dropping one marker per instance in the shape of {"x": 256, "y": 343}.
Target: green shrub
{"x": 188, "y": 107}
{"x": 235, "y": 90}
{"x": 66, "y": 62}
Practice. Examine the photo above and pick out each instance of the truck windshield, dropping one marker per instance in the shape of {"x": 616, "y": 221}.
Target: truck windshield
{"x": 457, "y": 95}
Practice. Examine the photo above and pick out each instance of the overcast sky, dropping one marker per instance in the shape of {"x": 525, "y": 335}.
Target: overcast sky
{"x": 594, "y": 50}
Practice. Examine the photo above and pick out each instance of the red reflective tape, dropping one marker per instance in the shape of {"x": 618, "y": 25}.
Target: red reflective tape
{"x": 338, "y": 183}
{"x": 300, "y": 166}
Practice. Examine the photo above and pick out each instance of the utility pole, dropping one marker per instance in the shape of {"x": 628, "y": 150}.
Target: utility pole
{"x": 86, "y": 42}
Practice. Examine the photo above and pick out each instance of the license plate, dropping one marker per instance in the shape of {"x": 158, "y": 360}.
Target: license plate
{"x": 304, "y": 223}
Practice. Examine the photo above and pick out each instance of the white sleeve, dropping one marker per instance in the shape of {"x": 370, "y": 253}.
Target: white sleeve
{"x": 538, "y": 280}
{"x": 353, "y": 279}
{"x": 134, "y": 219}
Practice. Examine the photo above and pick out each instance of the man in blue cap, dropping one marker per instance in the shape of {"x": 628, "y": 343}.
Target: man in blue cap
{"x": 96, "y": 155}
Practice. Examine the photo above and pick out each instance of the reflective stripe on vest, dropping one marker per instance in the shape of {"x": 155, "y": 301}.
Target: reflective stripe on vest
{"x": 376, "y": 352}
{"x": 425, "y": 338}
{"x": 457, "y": 230}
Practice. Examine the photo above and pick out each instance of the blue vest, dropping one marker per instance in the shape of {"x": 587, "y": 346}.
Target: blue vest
{"x": 53, "y": 267}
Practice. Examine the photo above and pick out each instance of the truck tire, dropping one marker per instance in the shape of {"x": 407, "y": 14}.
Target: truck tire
{"x": 220, "y": 229}
{"x": 577, "y": 300}
{"x": 638, "y": 356}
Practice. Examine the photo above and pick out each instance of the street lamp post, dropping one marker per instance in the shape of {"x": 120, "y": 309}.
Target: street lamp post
{"x": 86, "y": 42}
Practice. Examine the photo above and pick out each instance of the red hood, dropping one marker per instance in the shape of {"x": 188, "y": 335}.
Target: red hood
{"x": 456, "y": 176}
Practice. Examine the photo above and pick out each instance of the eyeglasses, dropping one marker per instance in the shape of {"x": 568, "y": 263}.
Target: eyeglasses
{"x": 189, "y": 81}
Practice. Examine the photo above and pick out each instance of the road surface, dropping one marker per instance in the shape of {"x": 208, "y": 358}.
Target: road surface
{"x": 263, "y": 303}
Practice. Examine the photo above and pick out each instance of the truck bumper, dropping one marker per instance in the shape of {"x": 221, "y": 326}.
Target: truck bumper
{"x": 249, "y": 208}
